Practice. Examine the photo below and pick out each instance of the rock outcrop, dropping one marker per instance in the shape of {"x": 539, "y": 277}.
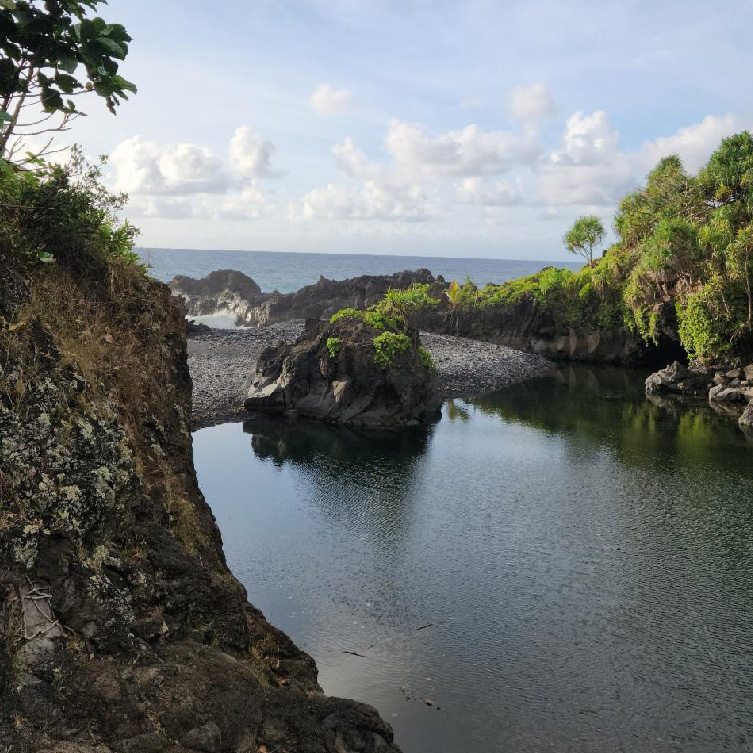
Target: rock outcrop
{"x": 527, "y": 325}
{"x": 234, "y": 293}
{"x": 729, "y": 389}
{"x": 122, "y": 629}
{"x": 350, "y": 373}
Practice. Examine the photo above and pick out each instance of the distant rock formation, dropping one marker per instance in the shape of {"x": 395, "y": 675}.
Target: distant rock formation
{"x": 233, "y": 292}
{"x": 351, "y": 373}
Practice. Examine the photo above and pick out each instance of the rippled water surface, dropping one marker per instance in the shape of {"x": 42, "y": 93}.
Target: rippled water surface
{"x": 583, "y": 560}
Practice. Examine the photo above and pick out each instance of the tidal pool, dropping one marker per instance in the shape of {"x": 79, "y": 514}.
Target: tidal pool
{"x": 563, "y": 566}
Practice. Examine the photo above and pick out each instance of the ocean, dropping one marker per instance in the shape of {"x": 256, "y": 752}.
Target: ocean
{"x": 287, "y": 272}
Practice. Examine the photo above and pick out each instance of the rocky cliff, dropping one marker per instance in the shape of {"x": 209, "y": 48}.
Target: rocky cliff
{"x": 121, "y": 627}
{"x": 231, "y": 291}
{"x": 527, "y": 325}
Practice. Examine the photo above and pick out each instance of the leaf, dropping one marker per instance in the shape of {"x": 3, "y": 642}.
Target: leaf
{"x": 68, "y": 63}
{"x": 8, "y": 4}
{"x": 6, "y": 117}
{"x": 113, "y": 48}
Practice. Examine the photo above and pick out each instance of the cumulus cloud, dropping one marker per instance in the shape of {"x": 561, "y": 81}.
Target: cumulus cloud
{"x": 588, "y": 139}
{"x": 351, "y": 160}
{"x": 328, "y": 101}
{"x": 372, "y": 201}
{"x": 250, "y": 155}
{"x": 250, "y": 204}
{"x": 694, "y": 144}
{"x": 470, "y": 151}
{"x": 532, "y": 102}
{"x": 502, "y": 193}
{"x": 169, "y": 208}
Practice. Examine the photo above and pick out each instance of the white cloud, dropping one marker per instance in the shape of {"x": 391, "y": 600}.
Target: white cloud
{"x": 502, "y": 193}
{"x": 144, "y": 167}
{"x": 250, "y": 155}
{"x": 694, "y": 144}
{"x": 328, "y": 101}
{"x": 531, "y": 102}
{"x": 351, "y": 160}
{"x": 372, "y": 201}
{"x": 469, "y": 152}
{"x": 251, "y": 203}
{"x": 588, "y": 140}
{"x": 169, "y": 208}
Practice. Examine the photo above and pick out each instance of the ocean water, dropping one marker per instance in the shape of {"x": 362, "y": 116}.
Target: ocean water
{"x": 287, "y": 272}
{"x": 562, "y": 567}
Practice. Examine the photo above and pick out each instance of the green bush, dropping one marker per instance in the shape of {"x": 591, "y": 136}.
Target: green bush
{"x": 333, "y": 347}
{"x": 388, "y": 345}
{"x": 65, "y": 215}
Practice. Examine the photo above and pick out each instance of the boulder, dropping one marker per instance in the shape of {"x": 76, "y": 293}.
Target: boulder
{"x": 721, "y": 394}
{"x": 679, "y": 379}
{"x": 749, "y": 373}
{"x": 746, "y": 420}
{"x": 336, "y": 372}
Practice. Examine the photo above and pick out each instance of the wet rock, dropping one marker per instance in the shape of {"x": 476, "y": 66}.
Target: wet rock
{"x": 332, "y": 373}
{"x": 721, "y": 394}
{"x": 746, "y": 420}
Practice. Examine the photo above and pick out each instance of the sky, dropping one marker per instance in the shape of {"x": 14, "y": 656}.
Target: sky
{"x": 463, "y": 128}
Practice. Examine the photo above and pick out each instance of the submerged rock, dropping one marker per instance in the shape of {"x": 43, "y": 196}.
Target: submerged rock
{"x": 351, "y": 373}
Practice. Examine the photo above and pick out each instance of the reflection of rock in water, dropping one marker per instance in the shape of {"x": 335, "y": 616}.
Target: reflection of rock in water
{"x": 301, "y": 442}
{"x": 360, "y": 478}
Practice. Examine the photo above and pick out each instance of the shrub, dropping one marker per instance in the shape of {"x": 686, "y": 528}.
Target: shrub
{"x": 388, "y": 345}
{"x": 333, "y": 347}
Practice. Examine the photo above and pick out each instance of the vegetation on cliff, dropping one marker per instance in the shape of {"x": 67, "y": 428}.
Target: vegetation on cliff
{"x": 680, "y": 269}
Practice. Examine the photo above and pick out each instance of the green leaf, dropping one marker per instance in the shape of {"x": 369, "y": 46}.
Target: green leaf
{"x": 68, "y": 64}
{"x": 8, "y": 4}
{"x": 113, "y": 48}
{"x": 6, "y": 117}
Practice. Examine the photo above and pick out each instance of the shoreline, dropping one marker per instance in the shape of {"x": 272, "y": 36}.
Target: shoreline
{"x": 222, "y": 363}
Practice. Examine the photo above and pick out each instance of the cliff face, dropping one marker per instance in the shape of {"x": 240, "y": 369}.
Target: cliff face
{"x": 121, "y": 627}
{"x": 531, "y": 327}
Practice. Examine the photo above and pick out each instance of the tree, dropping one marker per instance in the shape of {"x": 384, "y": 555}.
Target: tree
{"x": 586, "y": 233}
{"x": 52, "y": 52}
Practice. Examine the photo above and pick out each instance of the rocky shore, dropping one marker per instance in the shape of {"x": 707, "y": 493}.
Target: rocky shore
{"x": 222, "y": 364}
{"x": 728, "y": 389}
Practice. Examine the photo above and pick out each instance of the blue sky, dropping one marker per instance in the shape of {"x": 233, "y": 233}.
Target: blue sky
{"x": 434, "y": 127}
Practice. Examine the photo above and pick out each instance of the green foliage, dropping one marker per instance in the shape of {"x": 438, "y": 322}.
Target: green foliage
{"x": 426, "y": 358}
{"x": 584, "y": 235}
{"x": 55, "y": 50}
{"x": 333, "y": 347}
{"x": 63, "y": 214}
{"x": 462, "y": 296}
{"x": 372, "y": 317}
{"x": 699, "y": 333}
{"x": 397, "y": 303}
{"x": 388, "y": 345}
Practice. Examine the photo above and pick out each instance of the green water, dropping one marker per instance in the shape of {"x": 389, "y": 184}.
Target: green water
{"x": 583, "y": 559}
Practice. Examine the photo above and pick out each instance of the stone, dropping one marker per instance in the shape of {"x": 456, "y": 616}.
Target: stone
{"x": 348, "y": 387}
{"x": 749, "y": 372}
{"x": 722, "y": 394}
{"x": 734, "y": 374}
{"x": 746, "y": 420}
{"x": 207, "y": 738}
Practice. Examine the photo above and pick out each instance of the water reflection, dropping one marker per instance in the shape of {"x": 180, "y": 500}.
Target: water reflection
{"x": 608, "y": 407}
{"x": 582, "y": 554}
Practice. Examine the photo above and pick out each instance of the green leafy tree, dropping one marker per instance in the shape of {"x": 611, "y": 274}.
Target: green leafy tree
{"x": 584, "y": 236}
{"x": 51, "y": 53}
